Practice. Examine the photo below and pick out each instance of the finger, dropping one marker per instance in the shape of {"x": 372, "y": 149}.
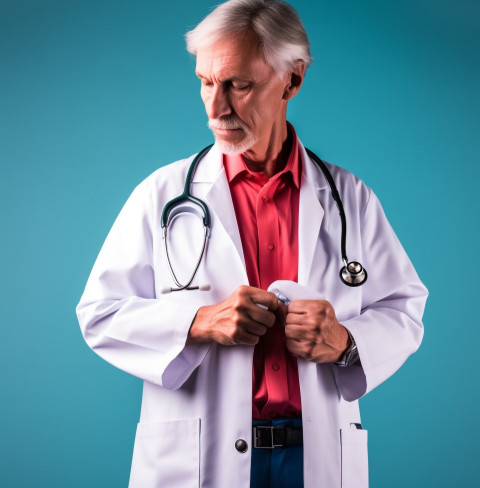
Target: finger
{"x": 281, "y": 313}
{"x": 261, "y": 316}
{"x": 295, "y": 318}
{"x": 298, "y": 306}
{"x": 264, "y": 298}
{"x": 303, "y": 334}
{"x": 242, "y": 305}
{"x": 245, "y": 338}
{"x": 295, "y": 347}
{"x": 293, "y": 331}
{"x": 302, "y": 306}
{"x": 307, "y": 319}
{"x": 255, "y": 328}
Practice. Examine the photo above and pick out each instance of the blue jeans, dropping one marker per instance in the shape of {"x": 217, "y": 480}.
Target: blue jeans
{"x": 280, "y": 467}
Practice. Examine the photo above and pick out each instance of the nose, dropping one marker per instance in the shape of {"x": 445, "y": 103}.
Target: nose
{"x": 217, "y": 103}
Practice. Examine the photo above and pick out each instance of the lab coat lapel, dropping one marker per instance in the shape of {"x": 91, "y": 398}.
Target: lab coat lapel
{"x": 211, "y": 173}
{"x": 310, "y": 215}
{"x": 210, "y": 181}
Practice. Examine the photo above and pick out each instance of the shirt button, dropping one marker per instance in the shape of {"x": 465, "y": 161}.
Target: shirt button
{"x": 275, "y": 367}
{"x": 249, "y": 176}
{"x": 265, "y": 199}
{"x": 271, "y": 247}
{"x": 241, "y": 445}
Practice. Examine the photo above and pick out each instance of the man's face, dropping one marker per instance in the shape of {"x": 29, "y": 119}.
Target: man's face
{"x": 244, "y": 98}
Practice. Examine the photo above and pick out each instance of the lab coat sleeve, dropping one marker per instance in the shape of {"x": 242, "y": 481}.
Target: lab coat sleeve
{"x": 121, "y": 317}
{"x": 389, "y": 328}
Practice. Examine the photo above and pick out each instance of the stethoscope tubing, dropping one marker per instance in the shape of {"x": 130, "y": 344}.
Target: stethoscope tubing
{"x": 192, "y": 277}
{"x": 186, "y": 196}
{"x": 337, "y": 200}
{"x": 352, "y": 273}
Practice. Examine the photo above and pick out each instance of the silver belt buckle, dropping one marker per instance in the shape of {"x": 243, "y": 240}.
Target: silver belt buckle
{"x": 257, "y": 430}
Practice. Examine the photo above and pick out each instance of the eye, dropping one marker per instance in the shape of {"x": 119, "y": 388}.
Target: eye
{"x": 240, "y": 86}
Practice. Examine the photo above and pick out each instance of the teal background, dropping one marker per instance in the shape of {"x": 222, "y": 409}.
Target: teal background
{"x": 95, "y": 95}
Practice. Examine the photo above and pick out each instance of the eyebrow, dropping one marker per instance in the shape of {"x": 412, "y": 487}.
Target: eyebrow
{"x": 233, "y": 78}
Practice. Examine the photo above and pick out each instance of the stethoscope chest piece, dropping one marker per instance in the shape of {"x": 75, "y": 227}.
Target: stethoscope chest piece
{"x": 353, "y": 274}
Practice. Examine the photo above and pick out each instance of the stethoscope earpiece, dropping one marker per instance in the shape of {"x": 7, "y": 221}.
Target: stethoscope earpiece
{"x": 353, "y": 274}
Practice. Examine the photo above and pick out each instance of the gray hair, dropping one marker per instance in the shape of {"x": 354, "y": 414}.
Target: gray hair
{"x": 280, "y": 32}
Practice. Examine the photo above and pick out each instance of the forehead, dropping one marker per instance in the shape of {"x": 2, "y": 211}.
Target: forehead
{"x": 234, "y": 56}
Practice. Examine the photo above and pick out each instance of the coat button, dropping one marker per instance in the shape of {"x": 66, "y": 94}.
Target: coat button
{"x": 241, "y": 445}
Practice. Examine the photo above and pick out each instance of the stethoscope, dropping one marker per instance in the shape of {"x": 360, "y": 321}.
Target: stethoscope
{"x": 352, "y": 273}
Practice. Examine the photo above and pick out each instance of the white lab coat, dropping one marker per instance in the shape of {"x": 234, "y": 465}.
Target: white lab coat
{"x": 197, "y": 400}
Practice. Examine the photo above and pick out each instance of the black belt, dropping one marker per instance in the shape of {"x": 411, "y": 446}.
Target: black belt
{"x": 268, "y": 437}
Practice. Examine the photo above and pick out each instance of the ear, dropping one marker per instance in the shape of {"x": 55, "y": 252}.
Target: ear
{"x": 297, "y": 74}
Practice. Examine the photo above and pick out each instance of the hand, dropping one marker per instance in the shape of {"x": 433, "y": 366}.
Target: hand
{"x": 313, "y": 331}
{"x": 238, "y": 319}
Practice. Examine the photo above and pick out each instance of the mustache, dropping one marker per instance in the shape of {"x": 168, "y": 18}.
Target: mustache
{"x": 226, "y": 122}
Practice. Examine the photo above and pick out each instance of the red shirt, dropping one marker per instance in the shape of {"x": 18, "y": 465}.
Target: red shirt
{"x": 267, "y": 217}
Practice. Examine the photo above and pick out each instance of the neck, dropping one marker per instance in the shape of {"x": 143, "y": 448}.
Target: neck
{"x": 274, "y": 158}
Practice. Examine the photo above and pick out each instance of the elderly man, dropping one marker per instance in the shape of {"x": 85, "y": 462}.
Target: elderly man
{"x": 253, "y": 365}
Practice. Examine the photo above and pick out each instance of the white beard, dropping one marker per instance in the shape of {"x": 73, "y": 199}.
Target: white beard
{"x": 236, "y": 147}
{"x": 233, "y": 147}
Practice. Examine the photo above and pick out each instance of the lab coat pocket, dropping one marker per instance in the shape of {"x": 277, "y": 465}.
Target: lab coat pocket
{"x": 166, "y": 454}
{"x": 354, "y": 458}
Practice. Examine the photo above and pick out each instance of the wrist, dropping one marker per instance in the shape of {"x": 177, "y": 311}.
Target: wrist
{"x": 198, "y": 333}
{"x": 350, "y": 355}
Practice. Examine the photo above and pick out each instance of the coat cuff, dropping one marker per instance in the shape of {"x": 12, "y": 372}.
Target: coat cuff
{"x": 351, "y": 381}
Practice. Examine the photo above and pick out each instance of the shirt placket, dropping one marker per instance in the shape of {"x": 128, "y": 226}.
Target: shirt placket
{"x": 274, "y": 341}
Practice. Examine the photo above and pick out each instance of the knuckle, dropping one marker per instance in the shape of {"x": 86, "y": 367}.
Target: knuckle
{"x": 242, "y": 290}
{"x": 238, "y": 299}
{"x": 294, "y": 306}
{"x": 237, "y": 302}
{"x": 322, "y": 313}
{"x": 225, "y": 339}
{"x": 236, "y": 336}
{"x": 305, "y": 352}
{"x": 236, "y": 317}
{"x": 274, "y": 301}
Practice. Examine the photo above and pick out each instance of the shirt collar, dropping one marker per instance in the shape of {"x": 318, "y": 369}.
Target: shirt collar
{"x": 235, "y": 165}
